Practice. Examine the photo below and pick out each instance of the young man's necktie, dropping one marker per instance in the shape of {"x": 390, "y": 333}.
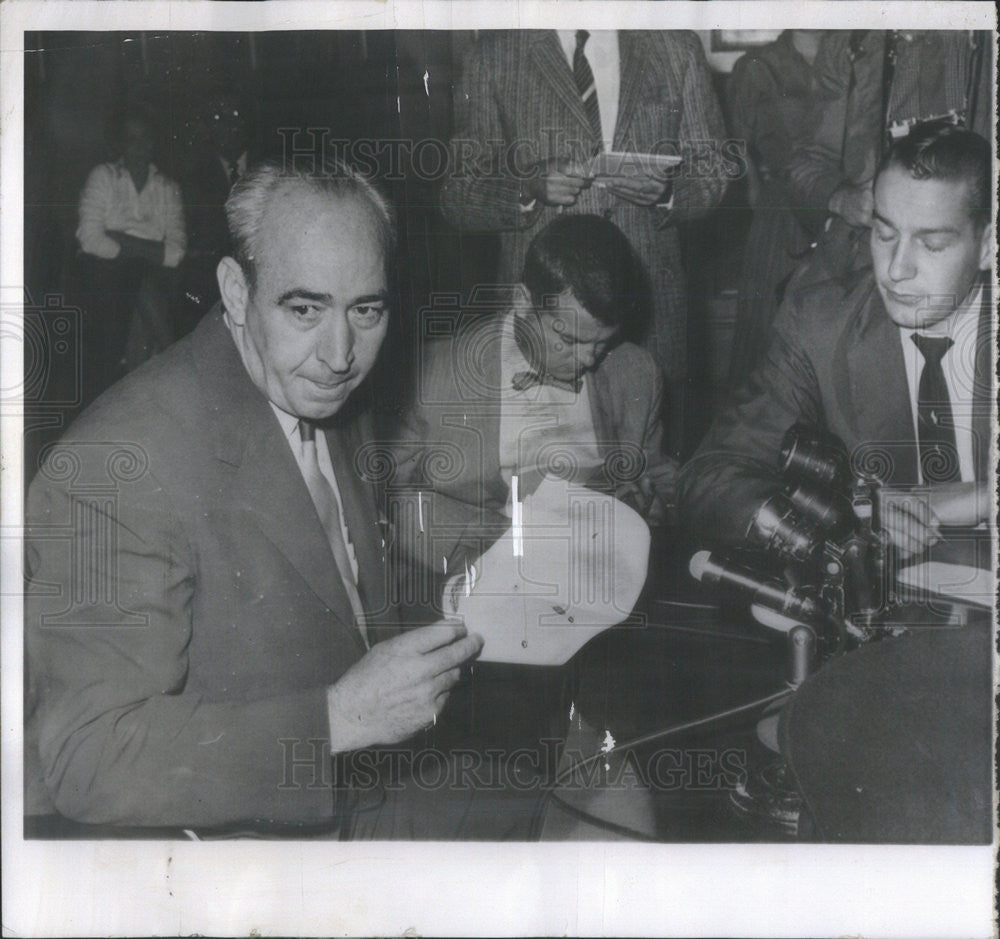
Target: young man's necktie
{"x": 935, "y": 423}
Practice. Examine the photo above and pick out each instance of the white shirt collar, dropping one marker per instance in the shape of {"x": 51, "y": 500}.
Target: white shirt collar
{"x": 289, "y": 422}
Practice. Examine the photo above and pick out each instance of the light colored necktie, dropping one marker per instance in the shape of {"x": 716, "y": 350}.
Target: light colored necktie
{"x": 325, "y": 501}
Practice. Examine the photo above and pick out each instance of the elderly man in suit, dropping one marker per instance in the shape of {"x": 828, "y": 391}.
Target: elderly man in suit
{"x": 207, "y": 567}
{"x": 533, "y": 105}
{"x": 896, "y": 360}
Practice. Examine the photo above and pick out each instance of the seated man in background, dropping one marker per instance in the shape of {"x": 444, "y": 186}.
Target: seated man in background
{"x": 895, "y": 359}
{"x": 132, "y": 238}
{"x": 551, "y": 386}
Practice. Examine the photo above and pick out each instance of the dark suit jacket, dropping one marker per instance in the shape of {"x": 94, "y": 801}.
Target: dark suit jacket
{"x": 835, "y": 361}
{"x": 449, "y": 445}
{"x": 184, "y": 614}
{"x": 518, "y": 104}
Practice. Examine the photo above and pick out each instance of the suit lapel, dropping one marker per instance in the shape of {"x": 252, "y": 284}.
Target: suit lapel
{"x": 604, "y": 430}
{"x": 361, "y": 515}
{"x": 268, "y": 484}
{"x": 547, "y": 54}
{"x": 875, "y": 391}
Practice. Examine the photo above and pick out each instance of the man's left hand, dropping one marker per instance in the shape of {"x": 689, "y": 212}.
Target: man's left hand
{"x": 642, "y": 190}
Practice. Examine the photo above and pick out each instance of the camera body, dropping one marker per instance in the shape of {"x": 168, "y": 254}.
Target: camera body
{"x": 825, "y": 527}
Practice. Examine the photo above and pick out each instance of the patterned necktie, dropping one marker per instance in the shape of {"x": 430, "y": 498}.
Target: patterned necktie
{"x": 584, "y": 78}
{"x": 325, "y": 501}
{"x": 521, "y": 381}
{"x": 935, "y": 424}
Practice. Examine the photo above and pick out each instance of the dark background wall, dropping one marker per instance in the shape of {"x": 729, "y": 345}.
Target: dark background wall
{"x": 306, "y": 90}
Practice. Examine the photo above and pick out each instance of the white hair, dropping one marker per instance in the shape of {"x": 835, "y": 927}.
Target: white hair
{"x": 250, "y": 197}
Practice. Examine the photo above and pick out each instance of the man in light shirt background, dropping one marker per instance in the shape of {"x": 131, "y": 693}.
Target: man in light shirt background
{"x": 132, "y": 238}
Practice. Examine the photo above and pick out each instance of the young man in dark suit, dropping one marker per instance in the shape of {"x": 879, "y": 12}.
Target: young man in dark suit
{"x": 855, "y": 356}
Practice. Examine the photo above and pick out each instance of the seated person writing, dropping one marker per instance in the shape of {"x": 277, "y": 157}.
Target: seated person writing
{"x": 895, "y": 359}
{"x": 550, "y": 386}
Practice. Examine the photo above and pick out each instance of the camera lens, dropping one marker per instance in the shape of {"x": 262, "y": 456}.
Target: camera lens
{"x": 809, "y": 454}
{"x": 777, "y": 527}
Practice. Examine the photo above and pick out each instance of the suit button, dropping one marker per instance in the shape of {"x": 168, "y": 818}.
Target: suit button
{"x": 608, "y": 213}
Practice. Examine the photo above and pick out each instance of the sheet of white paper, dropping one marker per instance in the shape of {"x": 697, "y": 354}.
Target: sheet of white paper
{"x": 955, "y": 581}
{"x": 583, "y": 565}
{"x": 620, "y": 165}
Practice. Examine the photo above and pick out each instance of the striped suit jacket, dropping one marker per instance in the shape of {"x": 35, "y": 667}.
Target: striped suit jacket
{"x": 518, "y": 104}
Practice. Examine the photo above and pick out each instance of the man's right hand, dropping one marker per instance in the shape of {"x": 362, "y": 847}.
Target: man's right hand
{"x": 909, "y": 521}
{"x": 399, "y": 687}
{"x": 555, "y": 182}
{"x": 854, "y": 204}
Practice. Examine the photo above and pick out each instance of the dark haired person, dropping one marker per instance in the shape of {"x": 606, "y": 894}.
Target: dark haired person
{"x": 554, "y": 374}
{"x": 132, "y": 237}
{"x": 550, "y": 386}
{"x": 221, "y": 155}
{"x": 895, "y": 359}
{"x": 533, "y": 104}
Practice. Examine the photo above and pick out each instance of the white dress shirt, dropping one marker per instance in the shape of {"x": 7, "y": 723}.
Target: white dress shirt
{"x": 602, "y": 53}
{"x": 109, "y": 202}
{"x": 959, "y": 367}
{"x": 290, "y": 425}
{"x": 541, "y": 421}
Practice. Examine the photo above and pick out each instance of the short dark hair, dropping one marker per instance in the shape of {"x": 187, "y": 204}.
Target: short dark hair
{"x": 940, "y": 150}
{"x": 251, "y": 195}
{"x": 591, "y": 257}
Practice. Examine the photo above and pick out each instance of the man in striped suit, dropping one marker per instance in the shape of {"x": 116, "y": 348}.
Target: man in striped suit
{"x": 534, "y": 104}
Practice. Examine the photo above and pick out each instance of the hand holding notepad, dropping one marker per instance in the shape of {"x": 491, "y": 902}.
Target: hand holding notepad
{"x": 620, "y": 165}
{"x": 575, "y": 566}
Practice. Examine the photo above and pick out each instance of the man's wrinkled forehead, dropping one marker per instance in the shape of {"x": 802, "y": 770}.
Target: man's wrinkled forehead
{"x": 297, "y": 211}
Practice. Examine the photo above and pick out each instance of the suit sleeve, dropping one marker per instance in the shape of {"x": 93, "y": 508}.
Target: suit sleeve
{"x": 702, "y": 132}
{"x": 123, "y": 738}
{"x": 661, "y": 470}
{"x": 482, "y": 194}
{"x": 734, "y": 469}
